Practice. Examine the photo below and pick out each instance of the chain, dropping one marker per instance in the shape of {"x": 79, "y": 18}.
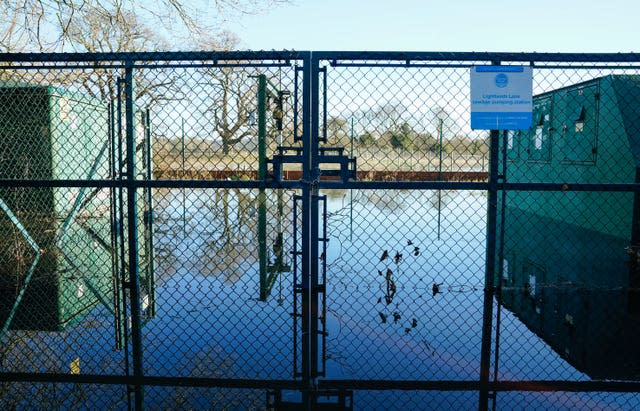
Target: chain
{"x": 315, "y": 182}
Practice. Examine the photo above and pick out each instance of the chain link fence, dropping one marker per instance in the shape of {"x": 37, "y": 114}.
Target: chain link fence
{"x": 278, "y": 230}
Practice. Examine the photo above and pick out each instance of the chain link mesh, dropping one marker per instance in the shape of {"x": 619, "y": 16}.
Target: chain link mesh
{"x": 198, "y": 178}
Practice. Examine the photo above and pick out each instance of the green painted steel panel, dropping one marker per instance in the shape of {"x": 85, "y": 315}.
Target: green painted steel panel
{"x": 566, "y": 254}
{"x": 49, "y": 133}
{"x": 580, "y": 107}
{"x": 600, "y": 150}
{"x": 540, "y": 135}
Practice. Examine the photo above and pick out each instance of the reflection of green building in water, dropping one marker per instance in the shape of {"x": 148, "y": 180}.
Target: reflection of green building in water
{"x": 566, "y": 271}
{"x": 58, "y": 253}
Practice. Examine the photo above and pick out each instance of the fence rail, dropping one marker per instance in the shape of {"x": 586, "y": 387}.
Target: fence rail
{"x": 305, "y": 230}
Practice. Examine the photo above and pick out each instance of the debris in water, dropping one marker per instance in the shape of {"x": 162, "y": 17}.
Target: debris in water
{"x": 389, "y": 274}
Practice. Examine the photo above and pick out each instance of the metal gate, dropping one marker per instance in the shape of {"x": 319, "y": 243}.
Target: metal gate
{"x": 316, "y": 230}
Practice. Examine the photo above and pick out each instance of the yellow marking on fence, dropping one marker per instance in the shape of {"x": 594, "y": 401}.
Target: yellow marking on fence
{"x": 75, "y": 366}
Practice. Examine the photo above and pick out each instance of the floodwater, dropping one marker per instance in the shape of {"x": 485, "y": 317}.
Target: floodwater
{"x": 404, "y": 295}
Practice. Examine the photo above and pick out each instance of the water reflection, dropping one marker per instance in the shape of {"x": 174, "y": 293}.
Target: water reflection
{"x": 217, "y": 236}
{"x": 402, "y": 302}
{"x": 571, "y": 286}
{"x": 384, "y": 260}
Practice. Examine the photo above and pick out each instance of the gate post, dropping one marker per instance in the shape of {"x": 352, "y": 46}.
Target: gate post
{"x": 490, "y": 269}
{"x": 134, "y": 280}
{"x": 309, "y": 102}
{"x": 315, "y": 213}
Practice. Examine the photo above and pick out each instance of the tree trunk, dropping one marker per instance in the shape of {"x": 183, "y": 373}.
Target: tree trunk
{"x": 225, "y": 146}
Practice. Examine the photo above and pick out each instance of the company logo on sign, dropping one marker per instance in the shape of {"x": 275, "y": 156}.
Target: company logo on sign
{"x": 501, "y": 80}
{"x": 501, "y": 97}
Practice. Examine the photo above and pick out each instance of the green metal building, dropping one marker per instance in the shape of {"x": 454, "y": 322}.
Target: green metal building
{"x": 585, "y": 133}
{"x": 59, "y": 250}
{"x": 569, "y": 259}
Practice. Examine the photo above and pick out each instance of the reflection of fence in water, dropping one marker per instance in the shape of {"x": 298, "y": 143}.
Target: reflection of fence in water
{"x": 222, "y": 222}
{"x": 389, "y": 282}
{"x": 412, "y": 321}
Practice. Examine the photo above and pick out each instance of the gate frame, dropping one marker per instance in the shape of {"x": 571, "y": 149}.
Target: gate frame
{"x": 310, "y": 185}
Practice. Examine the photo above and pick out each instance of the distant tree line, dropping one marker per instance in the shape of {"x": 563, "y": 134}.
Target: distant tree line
{"x": 403, "y": 136}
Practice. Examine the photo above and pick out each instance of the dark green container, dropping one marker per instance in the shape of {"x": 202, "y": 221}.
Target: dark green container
{"x": 47, "y": 133}
{"x": 570, "y": 258}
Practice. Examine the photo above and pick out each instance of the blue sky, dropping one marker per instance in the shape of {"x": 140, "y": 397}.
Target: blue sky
{"x": 447, "y": 25}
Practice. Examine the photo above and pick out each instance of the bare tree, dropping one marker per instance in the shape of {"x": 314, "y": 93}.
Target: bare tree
{"x": 230, "y": 110}
{"x": 234, "y": 95}
{"x": 44, "y": 25}
{"x": 337, "y": 128}
{"x": 95, "y": 30}
{"x": 98, "y": 31}
{"x": 388, "y": 116}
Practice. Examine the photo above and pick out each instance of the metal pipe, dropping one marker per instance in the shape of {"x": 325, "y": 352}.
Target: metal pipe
{"x": 309, "y": 118}
{"x": 298, "y": 184}
{"x": 490, "y": 269}
{"x": 325, "y": 237}
{"x": 149, "y": 218}
{"x": 262, "y": 174}
{"x": 295, "y": 285}
{"x": 120, "y": 235}
{"x": 324, "y": 105}
{"x": 500, "y": 268}
{"x": 334, "y": 56}
{"x": 439, "y": 169}
{"x": 314, "y": 219}
{"x": 351, "y": 192}
{"x": 328, "y": 184}
{"x": 115, "y": 262}
{"x": 324, "y": 384}
{"x": 296, "y": 137}
{"x": 184, "y": 172}
{"x": 132, "y": 217}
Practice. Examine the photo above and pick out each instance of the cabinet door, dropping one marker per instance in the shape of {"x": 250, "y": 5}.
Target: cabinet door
{"x": 539, "y": 149}
{"x": 580, "y": 125}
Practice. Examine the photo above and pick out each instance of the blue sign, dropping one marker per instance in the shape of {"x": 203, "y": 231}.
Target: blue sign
{"x": 501, "y": 97}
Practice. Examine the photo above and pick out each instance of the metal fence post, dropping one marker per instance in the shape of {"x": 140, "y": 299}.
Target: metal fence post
{"x": 262, "y": 175}
{"x": 487, "y": 312}
{"x": 134, "y": 278}
{"x": 315, "y": 212}
{"x": 308, "y": 72}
